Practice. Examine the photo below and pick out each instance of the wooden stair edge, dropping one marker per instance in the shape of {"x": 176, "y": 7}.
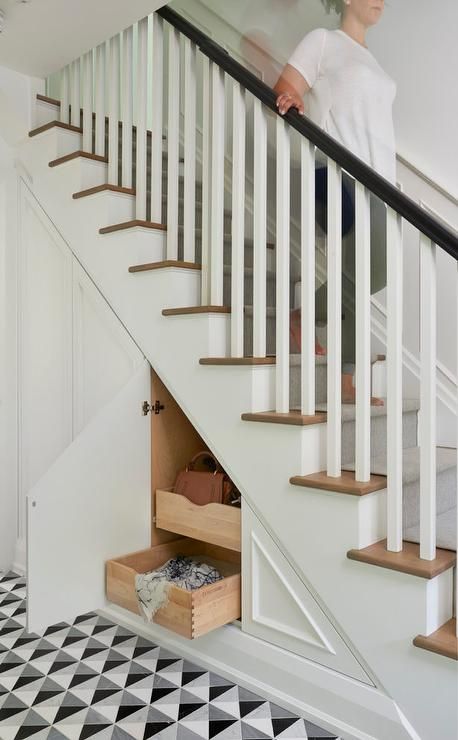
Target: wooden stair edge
{"x": 344, "y": 484}
{"x": 443, "y": 641}
{"x": 246, "y": 361}
{"x": 165, "y": 264}
{"x": 76, "y": 155}
{"x": 407, "y": 561}
{"x": 102, "y": 188}
{"x": 195, "y": 310}
{"x": 46, "y": 99}
{"x": 293, "y": 418}
{"x": 133, "y": 224}
{"x": 54, "y": 124}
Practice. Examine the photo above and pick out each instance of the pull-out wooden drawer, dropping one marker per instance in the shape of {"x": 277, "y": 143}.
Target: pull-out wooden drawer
{"x": 189, "y": 613}
{"x": 218, "y": 524}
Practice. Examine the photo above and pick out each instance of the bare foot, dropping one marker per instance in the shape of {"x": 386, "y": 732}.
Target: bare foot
{"x": 349, "y": 392}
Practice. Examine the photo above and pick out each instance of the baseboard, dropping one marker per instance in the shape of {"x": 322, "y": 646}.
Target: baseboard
{"x": 283, "y": 678}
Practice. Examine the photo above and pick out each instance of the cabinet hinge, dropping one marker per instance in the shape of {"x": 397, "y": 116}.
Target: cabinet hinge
{"x": 157, "y": 407}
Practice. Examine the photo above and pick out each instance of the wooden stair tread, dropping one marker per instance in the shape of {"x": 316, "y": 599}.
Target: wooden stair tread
{"x": 103, "y": 188}
{"x": 46, "y": 99}
{"x": 165, "y": 263}
{"x": 134, "y": 223}
{"x": 293, "y": 418}
{"x": 407, "y": 561}
{"x": 443, "y": 641}
{"x": 55, "y": 124}
{"x": 237, "y": 360}
{"x": 195, "y": 310}
{"x": 345, "y": 483}
{"x": 77, "y": 155}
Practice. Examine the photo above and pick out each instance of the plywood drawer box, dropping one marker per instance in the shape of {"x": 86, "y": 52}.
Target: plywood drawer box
{"x": 189, "y": 613}
{"x": 218, "y": 524}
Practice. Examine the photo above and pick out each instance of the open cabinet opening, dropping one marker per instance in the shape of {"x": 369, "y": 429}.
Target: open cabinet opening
{"x": 210, "y": 532}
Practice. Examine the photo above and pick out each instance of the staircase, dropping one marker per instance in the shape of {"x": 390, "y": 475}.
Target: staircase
{"x": 280, "y": 458}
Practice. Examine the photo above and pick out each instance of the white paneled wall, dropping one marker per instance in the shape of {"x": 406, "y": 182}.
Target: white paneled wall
{"x": 74, "y": 354}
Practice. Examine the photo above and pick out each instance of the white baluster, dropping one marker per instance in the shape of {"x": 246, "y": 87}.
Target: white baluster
{"x": 394, "y": 380}
{"x": 308, "y": 277}
{"x": 141, "y": 98}
{"x": 259, "y": 230}
{"x": 87, "y": 102}
{"x": 283, "y": 271}
{"x": 75, "y": 93}
{"x": 189, "y": 220}
{"x": 206, "y": 181}
{"x": 428, "y": 319}
{"x": 217, "y": 186}
{"x": 334, "y": 348}
{"x": 113, "y": 120}
{"x": 127, "y": 107}
{"x": 456, "y": 543}
{"x": 238, "y": 219}
{"x": 100, "y": 100}
{"x": 64, "y": 95}
{"x": 173, "y": 144}
{"x": 157, "y": 119}
{"x": 363, "y": 333}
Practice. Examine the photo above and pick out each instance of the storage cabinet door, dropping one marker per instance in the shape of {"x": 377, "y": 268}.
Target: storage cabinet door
{"x": 91, "y": 505}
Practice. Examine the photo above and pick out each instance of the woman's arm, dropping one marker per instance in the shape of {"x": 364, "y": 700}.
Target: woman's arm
{"x": 291, "y": 88}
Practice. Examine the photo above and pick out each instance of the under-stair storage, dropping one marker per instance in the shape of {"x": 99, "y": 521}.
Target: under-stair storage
{"x": 189, "y": 613}
{"x": 210, "y": 532}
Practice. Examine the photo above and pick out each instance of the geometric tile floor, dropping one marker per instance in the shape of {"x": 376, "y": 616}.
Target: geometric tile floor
{"x": 95, "y": 679}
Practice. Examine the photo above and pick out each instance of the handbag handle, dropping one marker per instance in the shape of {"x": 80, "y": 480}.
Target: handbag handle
{"x": 197, "y": 457}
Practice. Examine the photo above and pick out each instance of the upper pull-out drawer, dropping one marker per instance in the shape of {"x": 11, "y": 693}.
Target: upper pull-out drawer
{"x": 218, "y": 524}
{"x": 189, "y": 613}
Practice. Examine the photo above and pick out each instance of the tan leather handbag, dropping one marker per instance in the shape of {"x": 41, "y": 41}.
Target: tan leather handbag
{"x": 205, "y": 486}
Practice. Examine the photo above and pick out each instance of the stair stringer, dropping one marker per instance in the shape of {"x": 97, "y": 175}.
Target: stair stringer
{"x": 299, "y": 521}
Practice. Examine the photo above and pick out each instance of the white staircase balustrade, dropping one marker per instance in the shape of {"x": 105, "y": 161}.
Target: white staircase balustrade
{"x": 88, "y": 103}
{"x": 190, "y": 92}
{"x": 259, "y": 229}
{"x": 127, "y": 108}
{"x": 363, "y": 334}
{"x": 283, "y": 267}
{"x": 141, "y": 108}
{"x": 428, "y": 329}
{"x": 307, "y": 278}
{"x": 218, "y": 109}
{"x": 334, "y": 314}
{"x": 75, "y": 88}
{"x": 99, "y": 99}
{"x": 64, "y": 95}
{"x": 157, "y": 103}
{"x": 173, "y": 142}
{"x": 113, "y": 118}
{"x": 238, "y": 220}
{"x": 394, "y": 380}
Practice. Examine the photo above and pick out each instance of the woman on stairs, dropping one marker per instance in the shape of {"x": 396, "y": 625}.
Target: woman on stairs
{"x": 351, "y": 98}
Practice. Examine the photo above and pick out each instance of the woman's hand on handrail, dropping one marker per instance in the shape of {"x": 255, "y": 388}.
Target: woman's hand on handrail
{"x": 291, "y": 88}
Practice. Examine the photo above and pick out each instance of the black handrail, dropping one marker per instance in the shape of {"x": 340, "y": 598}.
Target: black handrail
{"x": 402, "y": 204}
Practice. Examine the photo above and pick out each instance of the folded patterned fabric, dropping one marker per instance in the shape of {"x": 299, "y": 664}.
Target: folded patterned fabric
{"x": 185, "y": 572}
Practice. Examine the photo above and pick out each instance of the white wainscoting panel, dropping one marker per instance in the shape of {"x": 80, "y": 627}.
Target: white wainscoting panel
{"x": 278, "y": 607}
{"x": 104, "y": 355}
{"x": 92, "y": 505}
{"x": 45, "y": 346}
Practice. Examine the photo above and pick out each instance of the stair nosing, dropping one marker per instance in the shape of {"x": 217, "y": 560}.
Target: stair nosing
{"x": 133, "y": 224}
{"x": 407, "y": 561}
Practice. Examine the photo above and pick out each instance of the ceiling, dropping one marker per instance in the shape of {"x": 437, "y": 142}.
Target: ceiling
{"x": 41, "y": 36}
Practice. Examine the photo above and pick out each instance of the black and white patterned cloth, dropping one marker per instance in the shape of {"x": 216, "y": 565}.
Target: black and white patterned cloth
{"x": 96, "y": 679}
{"x": 186, "y": 572}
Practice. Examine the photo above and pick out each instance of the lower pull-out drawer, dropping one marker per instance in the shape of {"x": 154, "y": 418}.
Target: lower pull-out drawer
{"x": 189, "y": 613}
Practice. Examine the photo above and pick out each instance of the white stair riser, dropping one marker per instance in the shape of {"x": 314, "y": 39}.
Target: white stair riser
{"x": 49, "y": 145}
{"x": 45, "y": 113}
{"x": 82, "y": 173}
{"x": 107, "y": 207}
{"x": 145, "y": 245}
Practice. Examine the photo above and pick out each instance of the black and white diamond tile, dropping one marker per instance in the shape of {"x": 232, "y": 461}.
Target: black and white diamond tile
{"x": 95, "y": 679}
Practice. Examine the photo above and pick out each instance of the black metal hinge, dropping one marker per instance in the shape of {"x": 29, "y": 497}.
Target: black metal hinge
{"x": 147, "y": 407}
